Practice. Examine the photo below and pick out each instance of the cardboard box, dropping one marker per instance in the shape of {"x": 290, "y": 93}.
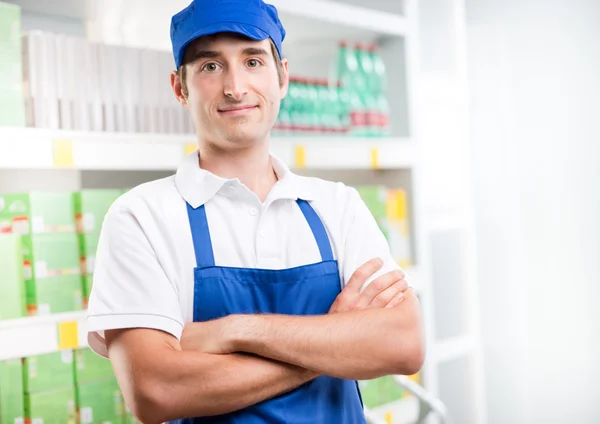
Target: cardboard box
{"x": 11, "y": 392}
{"x": 88, "y": 245}
{"x": 51, "y": 407}
{"x": 90, "y": 367}
{"x": 87, "y": 284}
{"x": 12, "y": 110}
{"x": 100, "y": 402}
{"x": 51, "y": 371}
{"x": 37, "y": 212}
{"x": 54, "y": 295}
{"x": 91, "y": 206}
{"x": 12, "y": 284}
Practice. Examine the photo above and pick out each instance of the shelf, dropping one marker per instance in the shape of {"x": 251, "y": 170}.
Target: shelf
{"x": 23, "y": 337}
{"x": 404, "y": 411}
{"x": 118, "y": 21}
{"x": 31, "y": 148}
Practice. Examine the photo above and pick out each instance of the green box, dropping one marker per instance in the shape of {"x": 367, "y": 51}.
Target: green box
{"x": 51, "y": 371}
{"x": 87, "y": 282}
{"x": 88, "y": 245}
{"x": 12, "y": 284}
{"x": 37, "y": 212}
{"x": 90, "y": 367}
{"x": 54, "y": 295}
{"x": 100, "y": 402}
{"x": 53, "y": 406}
{"x": 380, "y": 391}
{"x": 130, "y": 419}
{"x": 91, "y": 206}
{"x": 375, "y": 197}
{"x": 11, "y": 392}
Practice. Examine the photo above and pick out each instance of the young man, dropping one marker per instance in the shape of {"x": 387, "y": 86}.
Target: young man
{"x": 234, "y": 291}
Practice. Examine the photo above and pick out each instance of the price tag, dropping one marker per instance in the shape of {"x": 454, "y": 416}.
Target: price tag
{"x": 190, "y": 147}
{"x": 300, "y": 157}
{"x": 67, "y": 335}
{"x": 374, "y": 158}
{"x": 63, "y": 153}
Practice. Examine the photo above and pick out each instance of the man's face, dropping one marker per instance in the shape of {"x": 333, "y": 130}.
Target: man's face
{"x": 234, "y": 91}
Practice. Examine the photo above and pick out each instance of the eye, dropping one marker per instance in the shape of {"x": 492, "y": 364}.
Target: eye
{"x": 210, "y": 67}
{"x": 253, "y": 63}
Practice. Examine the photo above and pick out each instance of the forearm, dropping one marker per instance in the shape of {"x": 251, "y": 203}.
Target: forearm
{"x": 354, "y": 345}
{"x": 177, "y": 384}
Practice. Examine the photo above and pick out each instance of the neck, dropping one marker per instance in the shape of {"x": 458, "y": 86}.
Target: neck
{"x": 251, "y": 166}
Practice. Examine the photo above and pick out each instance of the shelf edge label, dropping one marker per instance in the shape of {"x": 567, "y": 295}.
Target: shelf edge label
{"x": 63, "y": 153}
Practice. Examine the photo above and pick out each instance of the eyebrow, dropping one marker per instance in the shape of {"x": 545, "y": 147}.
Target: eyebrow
{"x": 248, "y": 51}
{"x": 254, "y": 51}
{"x": 201, "y": 54}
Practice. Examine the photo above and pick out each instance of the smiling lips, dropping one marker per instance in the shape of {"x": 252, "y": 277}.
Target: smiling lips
{"x": 237, "y": 110}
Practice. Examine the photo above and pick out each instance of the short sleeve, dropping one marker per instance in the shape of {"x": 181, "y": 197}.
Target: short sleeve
{"x": 363, "y": 239}
{"x": 130, "y": 288}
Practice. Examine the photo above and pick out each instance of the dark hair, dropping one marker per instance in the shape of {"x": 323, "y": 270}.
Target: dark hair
{"x": 182, "y": 73}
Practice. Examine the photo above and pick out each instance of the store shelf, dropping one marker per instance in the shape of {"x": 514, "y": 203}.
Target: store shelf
{"x": 404, "y": 411}
{"x": 25, "y": 337}
{"x": 118, "y": 21}
{"x": 30, "y": 148}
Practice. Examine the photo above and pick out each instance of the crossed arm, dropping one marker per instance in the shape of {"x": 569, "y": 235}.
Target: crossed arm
{"x": 365, "y": 335}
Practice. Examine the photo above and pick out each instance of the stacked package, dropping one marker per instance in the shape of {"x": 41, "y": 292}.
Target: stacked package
{"x": 73, "y": 84}
{"x": 11, "y": 392}
{"x": 49, "y": 394}
{"x": 90, "y": 208}
{"x": 99, "y": 399}
{"x": 11, "y": 84}
{"x": 46, "y": 224}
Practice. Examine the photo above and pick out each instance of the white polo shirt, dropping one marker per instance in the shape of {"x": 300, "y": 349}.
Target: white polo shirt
{"x": 144, "y": 272}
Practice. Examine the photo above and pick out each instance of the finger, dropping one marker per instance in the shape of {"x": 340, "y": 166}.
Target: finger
{"x": 386, "y": 296}
{"x": 362, "y": 274}
{"x": 398, "y": 299}
{"x": 377, "y": 286}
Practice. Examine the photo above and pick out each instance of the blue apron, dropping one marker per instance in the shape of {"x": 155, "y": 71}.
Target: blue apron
{"x": 305, "y": 290}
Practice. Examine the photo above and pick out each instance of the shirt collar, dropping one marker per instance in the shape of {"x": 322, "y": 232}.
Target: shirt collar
{"x": 197, "y": 186}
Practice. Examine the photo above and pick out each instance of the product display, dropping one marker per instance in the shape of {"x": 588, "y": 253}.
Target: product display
{"x": 100, "y": 402}
{"x": 90, "y": 208}
{"x": 11, "y": 392}
{"x": 52, "y": 406}
{"x": 12, "y": 284}
{"x": 380, "y": 391}
{"x": 36, "y": 212}
{"x": 52, "y": 273}
{"x": 90, "y": 367}
{"x": 12, "y": 112}
{"x": 47, "y": 372}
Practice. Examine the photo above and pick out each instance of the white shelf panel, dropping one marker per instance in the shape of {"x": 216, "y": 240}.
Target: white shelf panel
{"x": 30, "y": 148}
{"x": 454, "y": 348}
{"x": 23, "y": 337}
{"x": 119, "y": 21}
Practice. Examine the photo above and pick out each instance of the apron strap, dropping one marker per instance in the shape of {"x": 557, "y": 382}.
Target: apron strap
{"x": 201, "y": 237}
{"x": 318, "y": 230}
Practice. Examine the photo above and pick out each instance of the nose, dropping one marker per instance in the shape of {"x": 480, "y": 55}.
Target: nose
{"x": 236, "y": 85}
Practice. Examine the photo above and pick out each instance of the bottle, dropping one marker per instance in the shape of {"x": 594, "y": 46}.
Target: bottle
{"x": 343, "y": 108}
{"x": 312, "y": 106}
{"x": 380, "y": 88}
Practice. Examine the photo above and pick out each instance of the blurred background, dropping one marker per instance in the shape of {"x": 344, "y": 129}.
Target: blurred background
{"x": 470, "y": 128}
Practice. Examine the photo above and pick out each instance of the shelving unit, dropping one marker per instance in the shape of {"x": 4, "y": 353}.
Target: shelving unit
{"x": 314, "y": 27}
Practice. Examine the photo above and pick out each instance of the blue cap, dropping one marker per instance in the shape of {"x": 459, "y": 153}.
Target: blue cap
{"x": 253, "y": 18}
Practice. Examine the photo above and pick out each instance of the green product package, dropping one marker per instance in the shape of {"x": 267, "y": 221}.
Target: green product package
{"x": 91, "y": 207}
{"x": 12, "y": 109}
{"x": 12, "y": 284}
{"x": 37, "y": 212}
{"x": 11, "y": 391}
{"x": 51, "y": 371}
{"x": 88, "y": 244}
{"x": 87, "y": 281}
{"x": 100, "y": 402}
{"x": 52, "y": 273}
{"x": 90, "y": 367}
{"x": 51, "y": 407}
{"x": 380, "y": 391}
{"x": 375, "y": 197}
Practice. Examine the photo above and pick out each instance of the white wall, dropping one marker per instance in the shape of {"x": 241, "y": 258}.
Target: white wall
{"x": 534, "y": 68}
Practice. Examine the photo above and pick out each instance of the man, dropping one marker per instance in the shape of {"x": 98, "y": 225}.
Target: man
{"x": 233, "y": 292}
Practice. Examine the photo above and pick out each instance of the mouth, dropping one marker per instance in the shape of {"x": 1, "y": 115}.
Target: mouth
{"x": 237, "y": 110}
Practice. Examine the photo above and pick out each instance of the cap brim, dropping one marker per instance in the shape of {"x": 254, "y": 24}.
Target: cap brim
{"x": 245, "y": 29}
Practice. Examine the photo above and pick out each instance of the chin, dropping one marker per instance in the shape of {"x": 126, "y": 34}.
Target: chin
{"x": 245, "y": 138}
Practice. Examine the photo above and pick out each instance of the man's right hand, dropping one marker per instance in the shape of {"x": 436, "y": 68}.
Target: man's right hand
{"x": 386, "y": 291}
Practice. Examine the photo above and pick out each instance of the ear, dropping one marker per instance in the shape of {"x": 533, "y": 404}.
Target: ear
{"x": 176, "y": 86}
{"x": 286, "y": 78}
